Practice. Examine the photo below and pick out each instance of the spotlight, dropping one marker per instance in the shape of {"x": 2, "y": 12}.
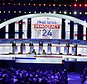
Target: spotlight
{"x": 19, "y": 4}
{"x": 60, "y": 12}
{"x": 65, "y": 5}
{"x": 54, "y": 12}
{"x": 49, "y": 12}
{"x": 28, "y": 3}
{"x": 29, "y": 11}
{"x": 65, "y": 12}
{"x": 9, "y": 11}
{"x": 53, "y": 4}
{"x": 19, "y": 11}
{"x": 85, "y": 12}
{"x": 85, "y": 5}
{"x": 75, "y": 12}
{"x": 59, "y": 5}
{"x": 39, "y": 4}
{"x": 34, "y": 11}
{"x": 40, "y": 12}
{"x": 14, "y": 11}
{"x": 25, "y": 12}
{"x": 24, "y": 4}
{"x": 80, "y": 12}
{"x": 34, "y": 4}
{"x": 49, "y": 4}
{"x": 4, "y": 11}
{"x": 80, "y": 5}
{"x": 69, "y": 12}
{"x": 75, "y": 5}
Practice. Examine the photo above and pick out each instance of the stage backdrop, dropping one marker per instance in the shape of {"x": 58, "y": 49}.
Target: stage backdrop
{"x": 46, "y": 28}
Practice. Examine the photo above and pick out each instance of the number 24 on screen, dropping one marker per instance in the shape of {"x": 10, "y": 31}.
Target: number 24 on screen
{"x": 46, "y": 32}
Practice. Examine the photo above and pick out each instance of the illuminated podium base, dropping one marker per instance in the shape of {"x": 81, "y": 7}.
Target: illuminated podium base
{"x": 31, "y": 58}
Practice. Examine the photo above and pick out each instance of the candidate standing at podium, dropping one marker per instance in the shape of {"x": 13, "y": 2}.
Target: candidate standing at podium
{"x": 22, "y": 47}
{"x": 14, "y": 47}
{"x": 58, "y": 48}
{"x": 31, "y": 47}
{"x": 49, "y": 48}
{"x": 40, "y": 47}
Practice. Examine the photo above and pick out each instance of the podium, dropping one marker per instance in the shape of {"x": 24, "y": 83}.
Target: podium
{"x": 58, "y": 48}
{"x": 74, "y": 49}
{"x": 14, "y": 47}
{"x": 31, "y": 47}
{"x": 66, "y": 49}
{"x": 40, "y": 47}
{"x": 49, "y": 48}
{"x": 22, "y": 48}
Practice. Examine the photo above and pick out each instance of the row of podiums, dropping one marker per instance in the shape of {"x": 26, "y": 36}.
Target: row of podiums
{"x": 43, "y": 51}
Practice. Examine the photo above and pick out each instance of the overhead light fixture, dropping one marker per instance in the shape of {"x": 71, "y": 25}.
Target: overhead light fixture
{"x": 65, "y": 12}
{"x": 54, "y": 5}
{"x": 54, "y": 12}
{"x": 59, "y": 4}
{"x": 60, "y": 12}
{"x": 75, "y": 12}
{"x": 9, "y": 11}
{"x": 44, "y": 4}
{"x": 80, "y": 5}
{"x": 19, "y": 11}
{"x": 85, "y": 5}
{"x": 69, "y": 12}
{"x": 34, "y": 11}
{"x": 75, "y": 5}
{"x": 49, "y": 12}
{"x": 39, "y": 4}
{"x": 80, "y": 12}
{"x": 85, "y": 12}
{"x": 65, "y": 5}
{"x": 0, "y": 11}
{"x": 29, "y": 11}
{"x": 25, "y": 12}
{"x": 34, "y": 4}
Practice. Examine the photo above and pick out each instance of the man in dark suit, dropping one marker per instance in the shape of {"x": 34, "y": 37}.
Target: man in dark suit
{"x": 13, "y": 47}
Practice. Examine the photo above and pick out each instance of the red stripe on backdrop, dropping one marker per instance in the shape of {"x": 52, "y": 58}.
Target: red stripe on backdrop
{"x": 75, "y": 34}
{"x": 84, "y": 34}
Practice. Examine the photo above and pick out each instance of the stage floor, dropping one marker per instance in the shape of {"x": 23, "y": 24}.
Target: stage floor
{"x": 31, "y": 58}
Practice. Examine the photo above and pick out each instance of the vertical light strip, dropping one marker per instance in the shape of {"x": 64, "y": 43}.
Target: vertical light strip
{"x": 67, "y": 29}
{"x": 60, "y": 30}
{"x": 6, "y": 31}
{"x": 84, "y": 33}
{"x": 24, "y": 27}
{"x": 16, "y": 30}
{"x": 75, "y": 31}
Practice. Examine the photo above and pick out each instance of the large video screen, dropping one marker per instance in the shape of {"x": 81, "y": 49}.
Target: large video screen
{"x": 46, "y": 28}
